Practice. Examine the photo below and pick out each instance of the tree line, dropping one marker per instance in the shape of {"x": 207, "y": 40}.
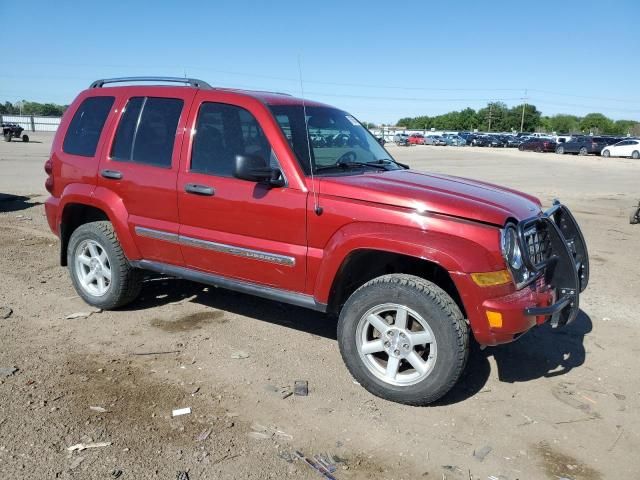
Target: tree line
{"x": 498, "y": 117}
{"x": 32, "y": 108}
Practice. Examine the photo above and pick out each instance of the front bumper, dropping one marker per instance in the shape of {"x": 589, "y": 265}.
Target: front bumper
{"x": 560, "y": 272}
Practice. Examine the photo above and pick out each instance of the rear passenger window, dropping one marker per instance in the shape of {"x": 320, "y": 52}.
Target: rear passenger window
{"x": 222, "y": 132}
{"x": 86, "y": 126}
{"x": 147, "y": 131}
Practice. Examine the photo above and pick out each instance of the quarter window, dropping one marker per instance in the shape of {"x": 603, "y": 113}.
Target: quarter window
{"x": 86, "y": 126}
{"x": 222, "y": 132}
{"x": 147, "y": 131}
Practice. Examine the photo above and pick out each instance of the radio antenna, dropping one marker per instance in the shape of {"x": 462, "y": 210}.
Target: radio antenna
{"x": 316, "y": 202}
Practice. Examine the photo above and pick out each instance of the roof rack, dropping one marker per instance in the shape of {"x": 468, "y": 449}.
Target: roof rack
{"x": 194, "y": 82}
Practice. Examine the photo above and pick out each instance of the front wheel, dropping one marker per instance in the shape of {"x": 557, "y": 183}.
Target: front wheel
{"x": 403, "y": 339}
{"x": 100, "y": 272}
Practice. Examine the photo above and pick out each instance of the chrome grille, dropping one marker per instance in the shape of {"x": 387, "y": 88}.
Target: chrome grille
{"x": 537, "y": 244}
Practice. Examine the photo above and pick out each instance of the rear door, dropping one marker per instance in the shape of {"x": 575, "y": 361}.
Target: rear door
{"x": 141, "y": 166}
{"x": 231, "y": 227}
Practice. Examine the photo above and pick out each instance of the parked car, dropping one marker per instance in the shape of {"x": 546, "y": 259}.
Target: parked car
{"x": 245, "y": 202}
{"x": 454, "y": 140}
{"x": 416, "y": 139}
{"x": 13, "y": 130}
{"x": 625, "y": 148}
{"x": 487, "y": 141}
{"x": 538, "y": 144}
{"x": 401, "y": 139}
{"x": 514, "y": 141}
{"x": 434, "y": 140}
{"x": 582, "y": 145}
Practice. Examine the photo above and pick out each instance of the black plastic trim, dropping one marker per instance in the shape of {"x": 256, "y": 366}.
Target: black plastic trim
{"x": 271, "y": 293}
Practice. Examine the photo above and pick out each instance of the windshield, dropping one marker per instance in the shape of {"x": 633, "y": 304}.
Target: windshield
{"x": 339, "y": 143}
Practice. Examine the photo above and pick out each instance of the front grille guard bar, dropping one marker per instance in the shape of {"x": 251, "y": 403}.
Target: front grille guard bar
{"x": 566, "y": 270}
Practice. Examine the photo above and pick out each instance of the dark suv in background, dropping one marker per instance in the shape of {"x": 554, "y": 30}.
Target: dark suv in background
{"x": 583, "y": 145}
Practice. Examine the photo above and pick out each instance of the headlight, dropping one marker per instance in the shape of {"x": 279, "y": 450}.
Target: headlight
{"x": 513, "y": 256}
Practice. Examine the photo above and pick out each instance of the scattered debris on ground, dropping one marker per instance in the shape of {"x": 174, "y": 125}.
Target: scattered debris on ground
{"x": 181, "y": 411}
{"x": 301, "y": 388}
{"x": 239, "y": 355}
{"x": 7, "y": 371}
{"x": 481, "y": 453}
{"x": 85, "y": 314}
{"x": 83, "y": 446}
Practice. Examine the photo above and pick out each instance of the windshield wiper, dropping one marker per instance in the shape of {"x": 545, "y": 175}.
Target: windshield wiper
{"x": 387, "y": 161}
{"x": 346, "y": 165}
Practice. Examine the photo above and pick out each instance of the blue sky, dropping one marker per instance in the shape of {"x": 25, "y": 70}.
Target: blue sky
{"x": 379, "y": 60}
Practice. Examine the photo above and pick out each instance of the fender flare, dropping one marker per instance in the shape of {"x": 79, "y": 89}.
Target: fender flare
{"x": 107, "y": 201}
{"x": 452, "y": 252}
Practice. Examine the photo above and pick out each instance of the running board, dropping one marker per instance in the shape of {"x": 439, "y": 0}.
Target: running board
{"x": 271, "y": 293}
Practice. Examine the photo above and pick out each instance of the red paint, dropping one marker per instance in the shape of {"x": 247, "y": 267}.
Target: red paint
{"x": 451, "y": 221}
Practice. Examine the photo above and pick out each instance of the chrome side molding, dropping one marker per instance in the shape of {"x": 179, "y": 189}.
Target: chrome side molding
{"x": 217, "y": 247}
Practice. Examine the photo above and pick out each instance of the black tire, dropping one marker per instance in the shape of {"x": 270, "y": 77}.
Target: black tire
{"x": 583, "y": 151}
{"x": 435, "y": 307}
{"x": 560, "y": 150}
{"x": 25, "y": 138}
{"x": 7, "y": 137}
{"x": 635, "y": 155}
{"x": 125, "y": 280}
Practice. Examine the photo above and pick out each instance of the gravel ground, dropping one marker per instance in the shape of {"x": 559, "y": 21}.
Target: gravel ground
{"x": 554, "y": 404}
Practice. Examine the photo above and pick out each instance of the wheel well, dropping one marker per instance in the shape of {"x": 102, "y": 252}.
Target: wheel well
{"x": 364, "y": 265}
{"x": 74, "y": 215}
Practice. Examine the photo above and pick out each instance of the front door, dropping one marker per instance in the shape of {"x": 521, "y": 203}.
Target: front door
{"x": 231, "y": 227}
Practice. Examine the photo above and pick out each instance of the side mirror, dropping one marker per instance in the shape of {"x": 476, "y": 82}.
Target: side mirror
{"x": 254, "y": 168}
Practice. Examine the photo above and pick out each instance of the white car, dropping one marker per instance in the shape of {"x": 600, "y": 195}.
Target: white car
{"x": 625, "y": 148}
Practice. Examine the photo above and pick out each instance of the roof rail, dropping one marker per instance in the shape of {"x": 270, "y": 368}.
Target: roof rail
{"x": 194, "y": 82}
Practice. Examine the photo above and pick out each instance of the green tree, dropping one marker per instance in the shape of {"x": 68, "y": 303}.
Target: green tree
{"x": 596, "y": 123}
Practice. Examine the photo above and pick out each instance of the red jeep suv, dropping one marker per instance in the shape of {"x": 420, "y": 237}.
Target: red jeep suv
{"x": 297, "y": 202}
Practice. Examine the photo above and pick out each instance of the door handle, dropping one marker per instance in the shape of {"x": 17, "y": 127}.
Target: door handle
{"x": 199, "y": 189}
{"x": 112, "y": 174}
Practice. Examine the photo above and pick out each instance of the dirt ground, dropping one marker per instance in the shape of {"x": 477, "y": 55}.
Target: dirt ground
{"x": 556, "y": 404}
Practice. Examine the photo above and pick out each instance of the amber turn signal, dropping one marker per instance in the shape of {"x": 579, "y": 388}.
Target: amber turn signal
{"x": 489, "y": 279}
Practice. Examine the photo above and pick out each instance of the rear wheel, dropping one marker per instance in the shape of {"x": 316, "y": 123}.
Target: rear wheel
{"x": 635, "y": 155}
{"x": 583, "y": 151}
{"x": 100, "y": 272}
{"x": 403, "y": 339}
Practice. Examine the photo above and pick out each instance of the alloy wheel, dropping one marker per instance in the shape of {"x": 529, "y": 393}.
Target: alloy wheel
{"x": 93, "y": 268}
{"x": 396, "y": 344}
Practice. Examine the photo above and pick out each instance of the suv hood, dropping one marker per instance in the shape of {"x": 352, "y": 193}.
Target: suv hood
{"x": 444, "y": 194}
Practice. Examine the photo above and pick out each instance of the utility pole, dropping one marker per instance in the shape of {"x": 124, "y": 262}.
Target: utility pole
{"x": 524, "y": 104}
